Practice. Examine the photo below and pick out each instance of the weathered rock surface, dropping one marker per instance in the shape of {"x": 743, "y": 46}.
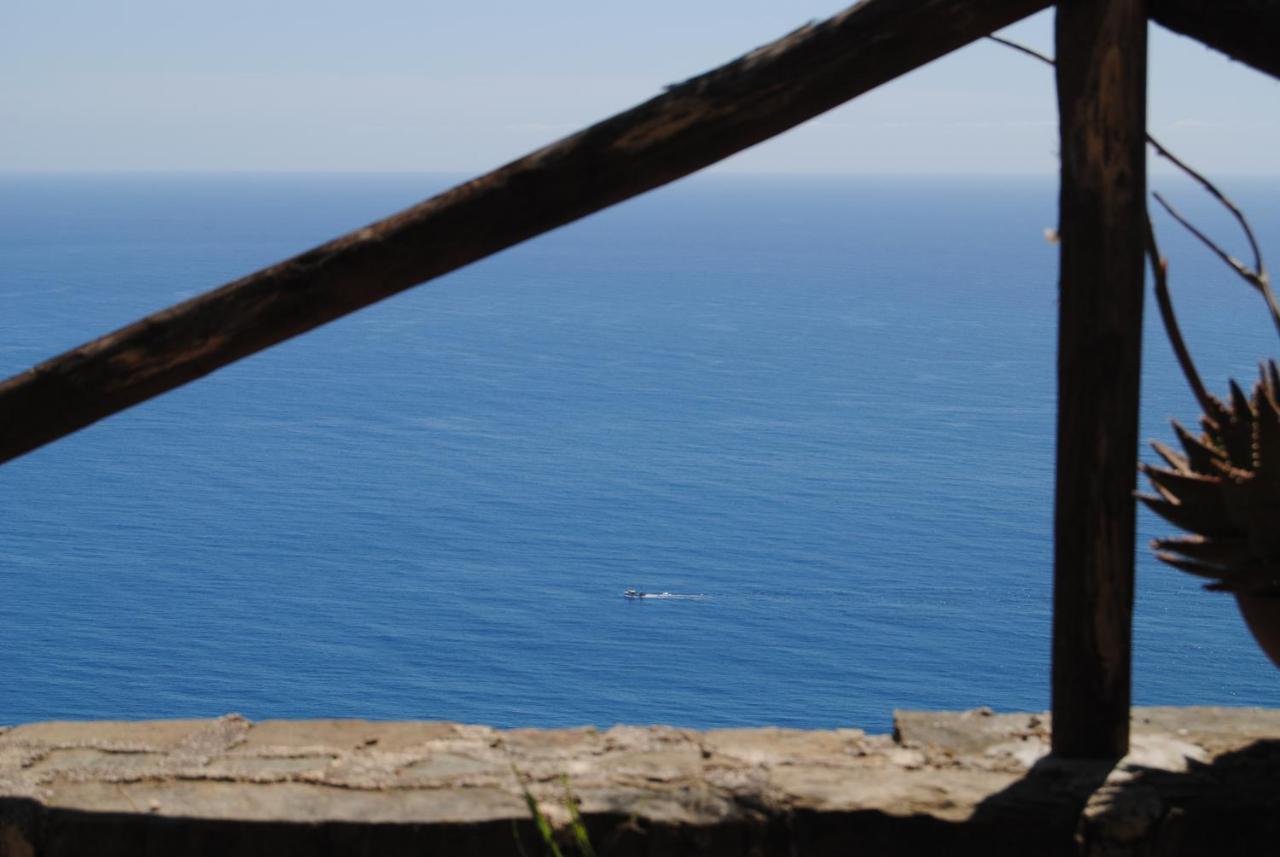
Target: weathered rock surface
{"x": 968, "y": 782}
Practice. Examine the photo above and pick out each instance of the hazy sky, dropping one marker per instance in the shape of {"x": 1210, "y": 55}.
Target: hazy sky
{"x": 449, "y": 86}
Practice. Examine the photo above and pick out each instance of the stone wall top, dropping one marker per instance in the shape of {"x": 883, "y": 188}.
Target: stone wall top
{"x": 963, "y": 776}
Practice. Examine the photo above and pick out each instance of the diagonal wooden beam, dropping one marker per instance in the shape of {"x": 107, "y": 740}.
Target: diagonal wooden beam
{"x": 1245, "y": 30}
{"x": 1102, "y": 82}
{"x": 692, "y": 125}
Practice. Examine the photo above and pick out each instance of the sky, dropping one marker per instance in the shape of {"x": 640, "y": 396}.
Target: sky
{"x": 463, "y": 87}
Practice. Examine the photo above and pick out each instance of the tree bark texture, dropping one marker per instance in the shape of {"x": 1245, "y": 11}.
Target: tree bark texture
{"x": 1101, "y": 73}
{"x": 1245, "y": 30}
{"x": 692, "y": 125}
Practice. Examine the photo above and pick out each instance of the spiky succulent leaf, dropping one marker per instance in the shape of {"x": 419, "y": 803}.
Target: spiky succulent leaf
{"x": 1192, "y": 567}
{"x": 1266, "y": 439}
{"x": 1172, "y": 457}
{"x": 1200, "y": 451}
{"x": 1223, "y": 554}
{"x": 1235, "y": 433}
{"x": 1192, "y": 490}
{"x": 1212, "y": 523}
{"x": 1225, "y": 491}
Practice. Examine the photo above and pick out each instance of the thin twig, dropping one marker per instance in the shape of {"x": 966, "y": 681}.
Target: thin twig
{"x": 1160, "y": 273}
{"x": 1231, "y": 262}
{"x": 1219, "y": 195}
{"x": 1256, "y": 278}
{"x": 1032, "y": 52}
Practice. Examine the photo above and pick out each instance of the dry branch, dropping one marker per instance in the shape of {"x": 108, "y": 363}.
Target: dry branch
{"x": 1256, "y": 277}
{"x": 692, "y": 125}
{"x": 1160, "y": 274}
{"x": 1225, "y": 202}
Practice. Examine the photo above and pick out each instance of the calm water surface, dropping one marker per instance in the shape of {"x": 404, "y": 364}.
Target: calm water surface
{"x": 825, "y": 405}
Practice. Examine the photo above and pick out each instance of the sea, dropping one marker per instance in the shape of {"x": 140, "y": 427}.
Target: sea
{"x": 825, "y": 405}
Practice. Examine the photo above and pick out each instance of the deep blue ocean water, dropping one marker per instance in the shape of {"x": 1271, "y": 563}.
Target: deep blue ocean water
{"x": 827, "y": 405}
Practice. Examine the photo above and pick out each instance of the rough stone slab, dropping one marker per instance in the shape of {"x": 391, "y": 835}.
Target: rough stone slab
{"x": 982, "y": 729}
{"x": 105, "y": 734}
{"x": 385, "y": 735}
{"x": 945, "y": 782}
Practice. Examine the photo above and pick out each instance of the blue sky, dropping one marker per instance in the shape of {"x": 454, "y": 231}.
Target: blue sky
{"x": 445, "y": 86}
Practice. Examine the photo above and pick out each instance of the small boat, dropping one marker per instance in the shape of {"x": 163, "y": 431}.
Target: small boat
{"x": 670, "y": 596}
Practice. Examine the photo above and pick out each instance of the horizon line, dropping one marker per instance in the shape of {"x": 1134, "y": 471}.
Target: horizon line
{"x": 465, "y": 175}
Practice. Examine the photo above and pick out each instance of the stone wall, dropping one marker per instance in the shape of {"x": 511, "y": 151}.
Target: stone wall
{"x": 1198, "y": 781}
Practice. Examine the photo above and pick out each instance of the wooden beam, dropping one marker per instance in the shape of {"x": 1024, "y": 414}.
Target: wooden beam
{"x": 1245, "y": 30}
{"x": 1101, "y": 72}
{"x": 693, "y": 124}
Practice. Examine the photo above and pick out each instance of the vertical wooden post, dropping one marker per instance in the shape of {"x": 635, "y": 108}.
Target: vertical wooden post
{"x": 1101, "y": 70}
